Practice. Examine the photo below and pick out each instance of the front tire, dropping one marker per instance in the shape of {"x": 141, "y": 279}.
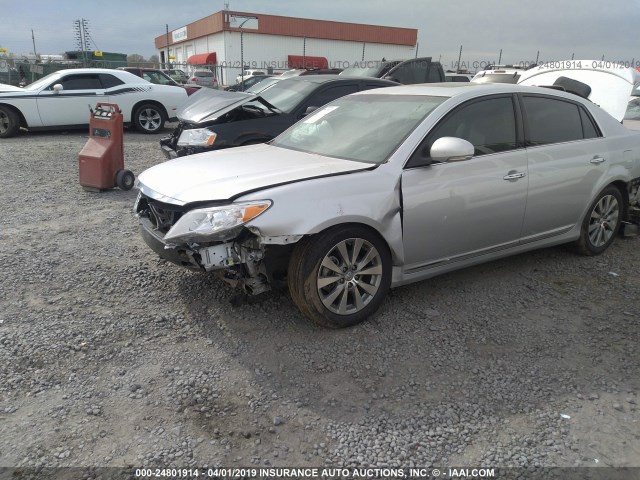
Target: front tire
{"x": 340, "y": 277}
{"x": 9, "y": 122}
{"x": 149, "y": 118}
{"x": 602, "y": 222}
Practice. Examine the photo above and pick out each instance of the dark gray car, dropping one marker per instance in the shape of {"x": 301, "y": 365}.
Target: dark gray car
{"x": 211, "y": 120}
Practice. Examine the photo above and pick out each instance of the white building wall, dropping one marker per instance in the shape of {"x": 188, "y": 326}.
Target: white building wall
{"x": 263, "y": 51}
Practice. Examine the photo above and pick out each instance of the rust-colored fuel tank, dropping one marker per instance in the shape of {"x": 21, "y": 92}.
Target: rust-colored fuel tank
{"x": 101, "y": 160}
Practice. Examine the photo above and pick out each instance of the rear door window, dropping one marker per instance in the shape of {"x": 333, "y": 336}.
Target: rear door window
{"x": 550, "y": 120}
{"x": 109, "y": 81}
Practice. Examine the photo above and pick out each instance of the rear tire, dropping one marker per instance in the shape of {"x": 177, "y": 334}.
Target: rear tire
{"x": 9, "y": 122}
{"x": 602, "y": 222}
{"x": 125, "y": 179}
{"x": 149, "y": 118}
{"x": 340, "y": 277}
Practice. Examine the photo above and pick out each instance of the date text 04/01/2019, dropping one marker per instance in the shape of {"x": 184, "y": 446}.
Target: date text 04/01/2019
{"x": 327, "y": 473}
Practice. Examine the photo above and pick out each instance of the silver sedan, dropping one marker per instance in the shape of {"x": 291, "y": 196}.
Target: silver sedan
{"x": 388, "y": 187}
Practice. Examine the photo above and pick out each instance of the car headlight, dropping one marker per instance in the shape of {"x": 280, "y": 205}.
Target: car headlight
{"x": 214, "y": 223}
{"x": 198, "y": 137}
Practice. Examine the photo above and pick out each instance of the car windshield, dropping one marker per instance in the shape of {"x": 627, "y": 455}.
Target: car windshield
{"x": 497, "y": 78}
{"x": 158, "y": 78}
{"x": 262, "y": 85}
{"x": 44, "y": 81}
{"x": 203, "y": 74}
{"x": 366, "y": 71}
{"x": 286, "y": 95}
{"x": 633, "y": 110}
{"x": 364, "y": 128}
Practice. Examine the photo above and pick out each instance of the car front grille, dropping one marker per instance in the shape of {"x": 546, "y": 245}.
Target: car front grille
{"x": 162, "y": 216}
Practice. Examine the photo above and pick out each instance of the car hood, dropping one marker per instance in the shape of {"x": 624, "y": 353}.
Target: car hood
{"x": 611, "y": 84}
{"x": 206, "y": 105}
{"x": 226, "y": 174}
{"x": 9, "y": 88}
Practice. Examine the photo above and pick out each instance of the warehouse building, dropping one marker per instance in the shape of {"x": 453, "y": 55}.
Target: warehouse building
{"x": 228, "y": 40}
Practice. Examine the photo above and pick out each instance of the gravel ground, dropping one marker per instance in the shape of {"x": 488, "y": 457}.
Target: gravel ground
{"x": 111, "y": 357}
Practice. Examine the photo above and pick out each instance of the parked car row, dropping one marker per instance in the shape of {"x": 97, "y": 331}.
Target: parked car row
{"x": 388, "y": 185}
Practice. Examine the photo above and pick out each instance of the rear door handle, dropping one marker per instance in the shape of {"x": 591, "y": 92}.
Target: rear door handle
{"x": 514, "y": 175}
{"x": 597, "y": 159}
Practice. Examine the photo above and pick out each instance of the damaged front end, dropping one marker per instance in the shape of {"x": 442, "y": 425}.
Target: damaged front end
{"x": 216, "y": 238}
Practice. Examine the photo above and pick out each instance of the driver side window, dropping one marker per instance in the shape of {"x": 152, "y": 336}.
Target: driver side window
{"x": 489, "y": 125}
{"x": 81, "y": 82}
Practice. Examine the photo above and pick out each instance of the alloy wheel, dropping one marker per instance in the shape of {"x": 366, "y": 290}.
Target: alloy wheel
{"x": 349, "y": 276}
{"x": 603, "y": 220}
{"x": 150, "y": 119}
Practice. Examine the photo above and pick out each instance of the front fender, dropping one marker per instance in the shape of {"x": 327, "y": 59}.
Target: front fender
{"x": 309, "y": 207}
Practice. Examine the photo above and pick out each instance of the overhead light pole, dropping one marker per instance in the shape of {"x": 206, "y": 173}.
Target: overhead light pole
{"x": 242, "y": 50}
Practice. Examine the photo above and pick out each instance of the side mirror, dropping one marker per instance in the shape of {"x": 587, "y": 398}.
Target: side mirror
{"x": 451, "y": 149}
{"x": 392, "y": 78}
{"x": 309, "y": 110}
{"x": 57, "y": 88}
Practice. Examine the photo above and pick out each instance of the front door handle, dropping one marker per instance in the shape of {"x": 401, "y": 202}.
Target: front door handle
{"x": 514, "y": 175}
{"x": 597, "y": 159}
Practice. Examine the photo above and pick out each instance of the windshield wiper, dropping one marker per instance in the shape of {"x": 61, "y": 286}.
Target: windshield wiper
{"x": 268, "y": 105}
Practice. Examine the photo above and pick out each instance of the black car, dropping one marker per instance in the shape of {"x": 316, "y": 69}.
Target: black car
{"x": 213, "y": 119}
{"x": 407, "y": 72}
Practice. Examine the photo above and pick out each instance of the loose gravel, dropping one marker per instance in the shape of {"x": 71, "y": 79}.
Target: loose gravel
{"x": 112, "y": 357}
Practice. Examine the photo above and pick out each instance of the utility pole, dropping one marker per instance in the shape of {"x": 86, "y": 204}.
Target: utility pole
{"x": 242, "y": 50}
{"x": 167, "y": 63}
{"x": 459, "y": 58}
{"x": 500, "y": 57}
{"x": 34, "y": 44}
{"x": 537, "y": 56}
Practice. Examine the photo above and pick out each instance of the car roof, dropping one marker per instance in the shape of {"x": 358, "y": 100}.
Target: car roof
{"x": 319, "y": 79}
{"x": 466, "y": 90}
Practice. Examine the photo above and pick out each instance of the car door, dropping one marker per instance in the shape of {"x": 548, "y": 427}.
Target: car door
{"x": 567, "y": 159}
{"x": 70, "y": 106}
{"x": 455, "y": 210}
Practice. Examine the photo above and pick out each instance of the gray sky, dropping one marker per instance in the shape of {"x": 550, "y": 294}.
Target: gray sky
{"x": 557, "y": 28}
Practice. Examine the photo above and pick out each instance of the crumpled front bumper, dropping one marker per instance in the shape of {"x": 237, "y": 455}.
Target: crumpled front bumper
{"x": 179, "y": 256}
{"x": 166, "y": 145}
{"x": 167, "y": 149}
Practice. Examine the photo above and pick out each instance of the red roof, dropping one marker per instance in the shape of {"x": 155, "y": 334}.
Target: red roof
{"x": 202, "y": 59}
{"x": 296, "y": 27}
{"x": 298, "y": 61}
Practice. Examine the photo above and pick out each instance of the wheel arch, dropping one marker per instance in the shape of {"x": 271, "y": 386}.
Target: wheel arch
{"x": 137, "y": 105}
{"x": 13, "y": 108}
{"x": 353, "y": 223}
{"x": 623, "y": 187}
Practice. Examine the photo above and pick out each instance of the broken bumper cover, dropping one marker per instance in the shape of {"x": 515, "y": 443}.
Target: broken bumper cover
{"x": 154, "y": 240}
{"x": 216, "y": 257}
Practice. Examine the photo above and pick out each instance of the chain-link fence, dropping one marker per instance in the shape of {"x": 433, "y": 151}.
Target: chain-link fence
{"x": 24, "y": 72}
